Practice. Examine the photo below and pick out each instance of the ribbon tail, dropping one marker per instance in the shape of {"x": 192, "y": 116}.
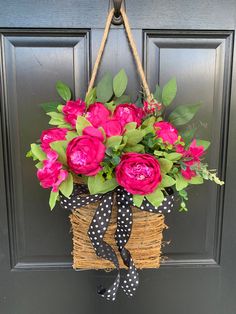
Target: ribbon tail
{"x": 122, "y": 235}
{"x": 96, "y": 232}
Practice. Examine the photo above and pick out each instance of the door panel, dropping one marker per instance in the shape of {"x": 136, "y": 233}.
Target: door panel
{"x": 42, "y": 42}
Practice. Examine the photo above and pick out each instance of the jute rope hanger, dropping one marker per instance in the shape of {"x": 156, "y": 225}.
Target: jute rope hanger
{"x": 133, "y": 49}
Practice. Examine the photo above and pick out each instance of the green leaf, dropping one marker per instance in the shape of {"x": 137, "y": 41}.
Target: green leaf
{"x": 70, "y": 135}
{"x": 169, "y": 92}
{"x": 97, "y": 184}
{"x": 114, "y": 141}
{"x": 37, "y": 152}
{"x": 131, "y": 126}
{"x": 181, "y": 183}
{"x": 53, "y": 199}
{"x": 29, "y": 154}
{"x": 120, "y": 82}
{"x": 167, "y": 181}
{"x": 50, "y": 106}
{"x": 57, "y": 116}
{"x": 138, "y": 199}
{"x": 134, "y": 136}
{"x": 39, "y": 165}
{"x": 124, "y": 99}
{"x": 60, "y": 148}
{"x": 139, "y": 148}
{"x": 187, "y": 135}
{"x": 203, "y": 143}
{"x": 63, "y": 90}
{"x": 155, "y": 198}
{"x": 60, "y": 107}
{"x": 174, "y": 156}
{"x": 196, "y": 180}
{"x": 165, "y": 164}
{"x": 66, "y": 187}
{"x": 104, "y": 88}
{"x": 81, "y": 123}
{"x": 183, "y": 114}
{"x": 158, "y": 93}
{"x": 90, "y": 97}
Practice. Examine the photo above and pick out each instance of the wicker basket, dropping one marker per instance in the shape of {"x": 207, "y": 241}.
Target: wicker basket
{"x": 144, "y": 244}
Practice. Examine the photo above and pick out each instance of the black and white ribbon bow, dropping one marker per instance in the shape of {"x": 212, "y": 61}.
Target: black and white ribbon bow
{"x": 97, "y": 229}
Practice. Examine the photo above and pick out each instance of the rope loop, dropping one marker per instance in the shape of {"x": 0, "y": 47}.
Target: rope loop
{"x": 133, "y": 47}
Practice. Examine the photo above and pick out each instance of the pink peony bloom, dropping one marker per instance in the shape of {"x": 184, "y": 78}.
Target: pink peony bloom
{"x": 112, "y": 127}
{"x": 97, "y": 114}
{"x": 152, "y": 107}
{"x": 52, "y": 135}
{"x": 188, "y": 174}
{"x": 72, "y": 110}
{"x": 52, "y": 174}
{"x": 166, "y": 131}
{"x": 85, "y": 154}
{"x": 138, "y": 173}
{"x": 126, "y": 113}
{"x": 93, "y": 132}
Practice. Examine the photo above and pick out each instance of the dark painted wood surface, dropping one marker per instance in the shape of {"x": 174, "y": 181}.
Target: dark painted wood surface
{"x": 43, "y": 41}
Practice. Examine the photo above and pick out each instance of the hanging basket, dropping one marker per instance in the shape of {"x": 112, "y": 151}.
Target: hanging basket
{"x": 144, "y": 244}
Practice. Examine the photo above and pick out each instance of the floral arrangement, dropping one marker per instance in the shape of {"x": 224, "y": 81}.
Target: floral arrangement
{"x": 107, "y": 141}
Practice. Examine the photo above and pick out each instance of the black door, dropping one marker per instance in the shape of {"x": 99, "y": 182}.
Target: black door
{"x": 43, "y": 41}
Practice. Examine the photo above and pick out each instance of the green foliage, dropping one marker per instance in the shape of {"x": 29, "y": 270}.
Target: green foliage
{"x": 155, "y": 198}
{"x": 203, "y": 143}
{"x": 167, "y": 181}
{"x": 53, "y": 199}
{"x": 209, "y": 174}
{"x": 60, "y": 148}
{"x": 114, "y": 141}
{"x": 50, "y": 106}
{"x": 57, "y": 118}
{"x": 131, "y": 126}
{"x": 158, "y": 94}
{"x": 173, "y": 156}
{"x": 36, "y": 152}
{"x": 165, "y": 164}
{"x": 124, "y": 99}
{"x": 134, "y": 137}
{"x": 183, "y": 114}
{"x": 70, "y": 135}
{"x": 139, "y": 148}
{"x": 169, "y": 92}
{"x": 90, "y": 97}
{"x": 104, "y": 88}
{"x": 97, "y": 184}
{"x": 66, "y": 187}
{"x": 181, "y": 183}
{"x": 187, "y": 135}
{"x": 138, "y": 199}
{"x": 63, "y": 90}
{"x": 81, "y": 123}
{"x": 120, "y": 82}
{"x": 196, "y": 180}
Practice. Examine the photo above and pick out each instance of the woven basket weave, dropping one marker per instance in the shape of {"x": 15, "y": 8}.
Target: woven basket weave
{"x": 144, "y": 244}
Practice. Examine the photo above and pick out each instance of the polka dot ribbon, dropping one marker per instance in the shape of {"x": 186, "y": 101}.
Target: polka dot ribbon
{"x": 97, "y": 229}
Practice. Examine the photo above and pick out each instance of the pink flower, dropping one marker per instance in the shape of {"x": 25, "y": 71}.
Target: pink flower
{"x": 126, "y": 113}
{"x": 93, "y": 132}
{"x": 72, "y": 110}
{"x": 52, "y": 135}
{"x": 188, "y": 174}
{"x": 52, "y": 174}
{"x": 166, "y": 131}
{"x": 151, "y": 107}
{"x": 97, "y": 114}
{"x": 85, "y": 154}
{"x": 112, "y": 127}
{"x": 192, "y": 154}
{"x": 138, "y": 173}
